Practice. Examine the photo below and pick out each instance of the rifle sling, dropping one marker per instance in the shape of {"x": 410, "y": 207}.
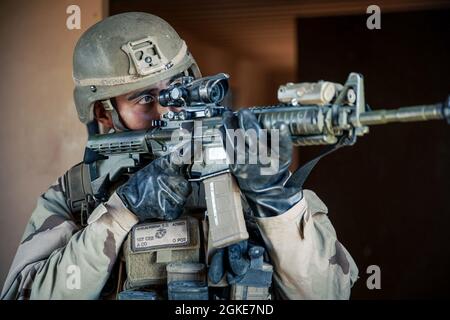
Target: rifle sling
{"x": 298, "y": 178}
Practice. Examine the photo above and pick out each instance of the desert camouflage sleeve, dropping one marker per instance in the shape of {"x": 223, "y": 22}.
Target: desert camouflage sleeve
{"x": 56, "y": 259}
{"x": 309, "y": 261}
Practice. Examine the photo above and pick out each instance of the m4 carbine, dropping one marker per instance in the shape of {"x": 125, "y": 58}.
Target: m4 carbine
{"x": 320, "y": 113}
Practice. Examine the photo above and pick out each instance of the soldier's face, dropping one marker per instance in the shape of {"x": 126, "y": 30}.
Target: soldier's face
{"x": 138, "y": 108}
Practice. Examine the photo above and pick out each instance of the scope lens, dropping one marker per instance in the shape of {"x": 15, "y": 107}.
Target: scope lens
{"x": 175, "y": 93}
{"x": 216, "y": 92}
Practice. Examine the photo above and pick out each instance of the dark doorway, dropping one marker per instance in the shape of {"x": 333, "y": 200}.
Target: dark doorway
{"x": 389, "y": 195}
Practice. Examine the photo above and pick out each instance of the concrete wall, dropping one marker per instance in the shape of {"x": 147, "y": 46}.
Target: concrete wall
{"x": 40, "y": 135}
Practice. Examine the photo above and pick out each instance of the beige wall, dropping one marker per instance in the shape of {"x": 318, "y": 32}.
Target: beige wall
{"x": 249, "y": 79}
{"x": 40, "y": 134}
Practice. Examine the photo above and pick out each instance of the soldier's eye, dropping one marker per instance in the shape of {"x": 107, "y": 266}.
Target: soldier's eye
{"x": 146, "y": 99}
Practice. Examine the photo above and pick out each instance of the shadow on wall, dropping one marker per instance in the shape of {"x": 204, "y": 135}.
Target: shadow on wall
{"x": 388, "y": 195}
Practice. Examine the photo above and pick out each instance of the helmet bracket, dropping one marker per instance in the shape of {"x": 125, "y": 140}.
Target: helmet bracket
{"x": 145, "y": 57}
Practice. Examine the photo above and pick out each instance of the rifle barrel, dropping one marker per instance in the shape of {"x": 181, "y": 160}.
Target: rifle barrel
{"x": 404, "y": 114}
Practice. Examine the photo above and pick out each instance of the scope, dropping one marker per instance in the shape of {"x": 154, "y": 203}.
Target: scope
{"x": 187, "y": 91}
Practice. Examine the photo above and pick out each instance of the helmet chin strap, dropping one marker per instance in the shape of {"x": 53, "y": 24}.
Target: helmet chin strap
{"x": 109, "y": 105}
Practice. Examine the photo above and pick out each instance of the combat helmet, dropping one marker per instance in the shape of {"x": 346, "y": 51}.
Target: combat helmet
{"x": 123, "y": 53}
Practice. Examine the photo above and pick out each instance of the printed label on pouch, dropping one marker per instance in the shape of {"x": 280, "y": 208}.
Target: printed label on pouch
{"x": 149, "y": 236}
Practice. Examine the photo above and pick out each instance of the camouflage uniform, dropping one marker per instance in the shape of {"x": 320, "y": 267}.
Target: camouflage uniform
{"x": 309, "y": 262}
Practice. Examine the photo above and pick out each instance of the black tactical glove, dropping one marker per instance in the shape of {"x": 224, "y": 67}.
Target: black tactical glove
{"x": 242, "y": 263}
{"x": 265, "y": 193}
{"x": 232, "y": 259}
{"x": 158, "y": 190}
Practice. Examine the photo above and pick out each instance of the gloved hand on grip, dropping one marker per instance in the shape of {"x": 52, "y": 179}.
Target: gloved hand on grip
{"x": 158, "y": 190}
{"x": 242, "y": 262}
{"x": 264, "y": 189}
{"x": 231, "y": 260}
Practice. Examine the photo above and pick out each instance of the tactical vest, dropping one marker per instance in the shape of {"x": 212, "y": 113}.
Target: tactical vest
{"x": 169, "y": 260}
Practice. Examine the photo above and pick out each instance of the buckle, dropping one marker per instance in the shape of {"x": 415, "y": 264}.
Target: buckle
{"x": 86, "y": 209}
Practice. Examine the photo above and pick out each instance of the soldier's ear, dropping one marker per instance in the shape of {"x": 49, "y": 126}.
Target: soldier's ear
{"x": 102, "y": 116}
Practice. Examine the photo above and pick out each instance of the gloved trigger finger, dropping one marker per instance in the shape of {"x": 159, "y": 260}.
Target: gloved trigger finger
{"x": 248, "y": 120}
{"x": 229, "y": 120}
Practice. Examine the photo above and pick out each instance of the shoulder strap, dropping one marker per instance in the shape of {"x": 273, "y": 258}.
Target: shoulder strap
{"x": 79, "y": 192}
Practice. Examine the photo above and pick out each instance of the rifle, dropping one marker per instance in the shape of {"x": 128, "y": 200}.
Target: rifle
{"x": 319, "y": 113}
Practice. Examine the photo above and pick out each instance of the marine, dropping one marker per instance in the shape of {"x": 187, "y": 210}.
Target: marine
{"x": 119, "y": 67}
